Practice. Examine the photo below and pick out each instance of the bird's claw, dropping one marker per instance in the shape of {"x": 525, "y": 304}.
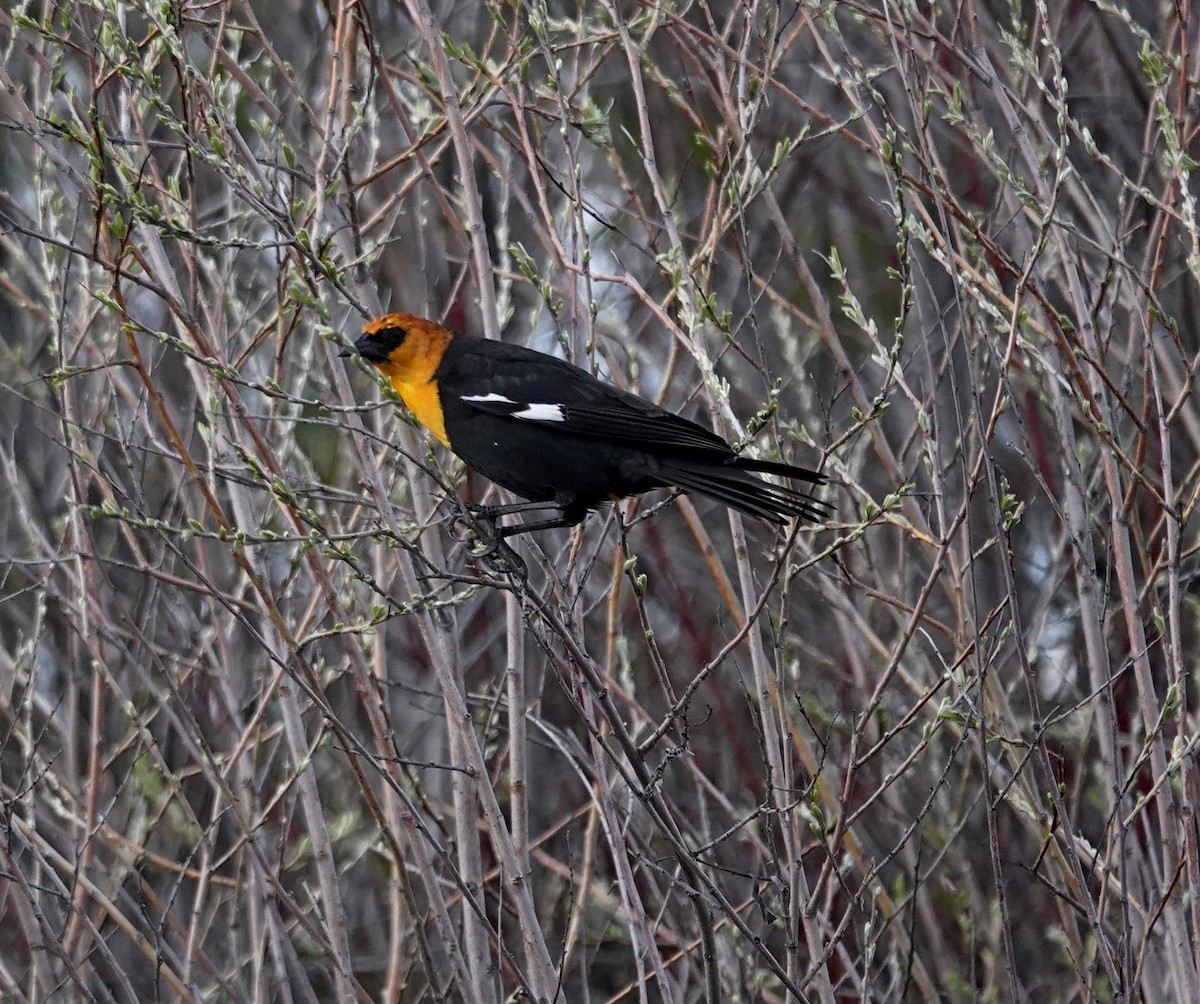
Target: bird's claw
{"x": 483, "y": 525}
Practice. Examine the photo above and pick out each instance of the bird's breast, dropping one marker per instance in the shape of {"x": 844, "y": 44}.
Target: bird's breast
{"x": 423, "y": 400}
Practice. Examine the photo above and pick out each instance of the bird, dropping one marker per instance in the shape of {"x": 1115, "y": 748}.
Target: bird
{"x": 560, "y": 438}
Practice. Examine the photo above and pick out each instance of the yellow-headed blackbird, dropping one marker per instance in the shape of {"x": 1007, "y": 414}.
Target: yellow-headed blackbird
{"x": 554, "y": 434}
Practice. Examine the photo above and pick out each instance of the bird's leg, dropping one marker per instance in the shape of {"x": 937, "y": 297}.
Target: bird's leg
{"x": 492, "y": 511}
{"x": 542, "y": 524}
{"x": 569, "y": 515}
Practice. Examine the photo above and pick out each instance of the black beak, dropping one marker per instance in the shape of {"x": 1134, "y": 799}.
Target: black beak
{"x": 354, "y": 349}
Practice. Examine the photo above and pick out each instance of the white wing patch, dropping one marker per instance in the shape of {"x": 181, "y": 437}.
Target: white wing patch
{"x": 542, "y": 413}
{"x": 489, "y": 399}
{"x": 528, "y": 412}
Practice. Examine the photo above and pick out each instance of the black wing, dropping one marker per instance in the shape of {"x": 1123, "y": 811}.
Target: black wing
{"x": 529, "y": 386}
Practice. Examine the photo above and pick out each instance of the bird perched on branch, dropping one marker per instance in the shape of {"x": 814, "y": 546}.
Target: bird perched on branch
{"x": 555, "y": 435}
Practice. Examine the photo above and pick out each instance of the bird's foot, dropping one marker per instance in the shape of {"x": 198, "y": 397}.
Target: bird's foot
{"x": 489, "y": 545}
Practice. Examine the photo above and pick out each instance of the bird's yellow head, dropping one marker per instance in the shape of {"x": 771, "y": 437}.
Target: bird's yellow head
{"x": 403, "y": 346}
{"x": 407, "y": 350}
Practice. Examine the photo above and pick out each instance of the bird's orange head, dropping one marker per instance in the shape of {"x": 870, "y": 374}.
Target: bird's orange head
{"x": 402, "y": 342}
{"x": 407, "y": 350}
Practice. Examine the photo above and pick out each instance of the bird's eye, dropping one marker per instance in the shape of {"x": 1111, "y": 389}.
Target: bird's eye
{"x": 387, "y": 339}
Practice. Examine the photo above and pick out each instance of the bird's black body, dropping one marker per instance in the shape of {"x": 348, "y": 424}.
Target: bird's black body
{"x": 552, "y": 433}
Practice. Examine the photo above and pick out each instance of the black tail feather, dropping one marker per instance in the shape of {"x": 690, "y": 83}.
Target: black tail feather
{"x": 741, "y": 490}
{"x": 780, "y": 469}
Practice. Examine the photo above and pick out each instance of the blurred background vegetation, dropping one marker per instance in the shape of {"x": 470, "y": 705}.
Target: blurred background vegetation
{"x": 271, "y": 730}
